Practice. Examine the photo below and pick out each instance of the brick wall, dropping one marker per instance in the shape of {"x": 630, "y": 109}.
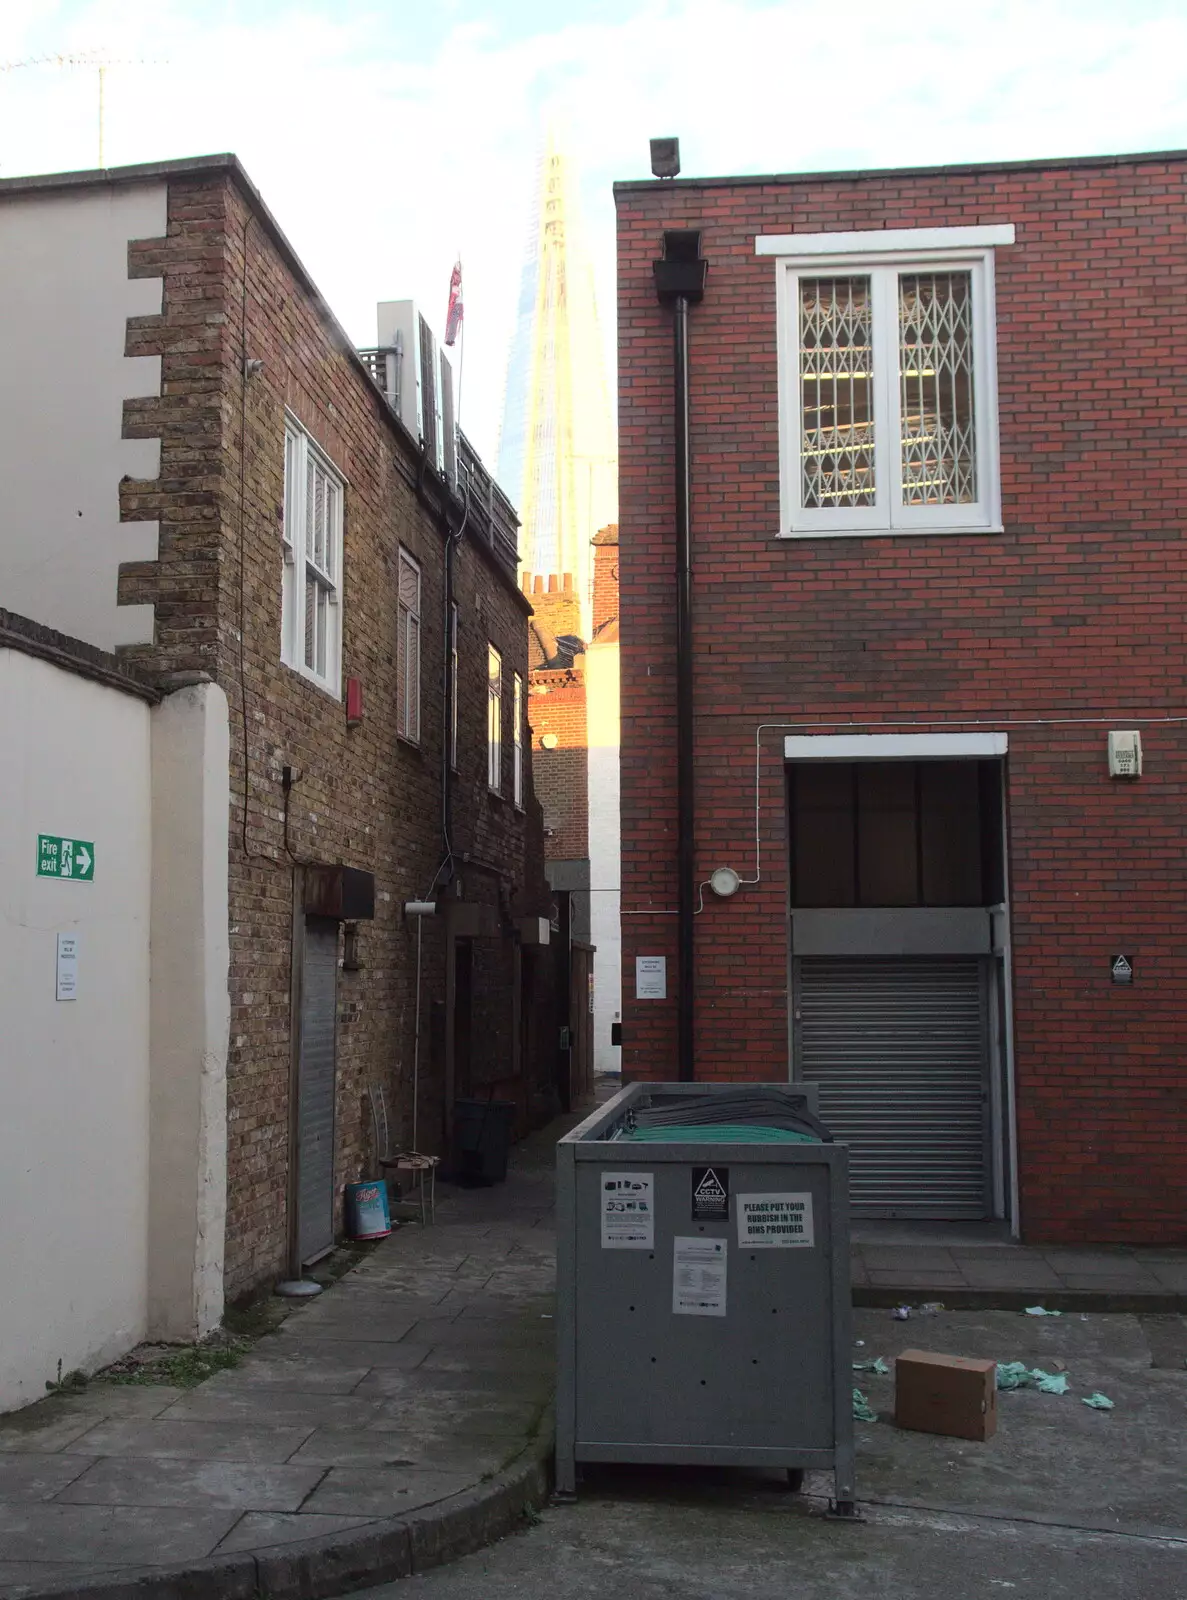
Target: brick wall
{"x": 1074, "y": 612}
{"x": 360, "y": 796}
{"x": 556, "y": 706}
{"x": 605, "y": 582}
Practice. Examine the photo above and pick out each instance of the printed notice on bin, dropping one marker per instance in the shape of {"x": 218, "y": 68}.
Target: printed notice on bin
{"x": 698, "y": 1277}
{"x": 779, "y": 1221}
{"x": 628, "y": 1211}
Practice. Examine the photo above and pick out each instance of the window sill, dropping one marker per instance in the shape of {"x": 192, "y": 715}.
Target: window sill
{"x": 410, "y": 744}
{"x": 326, "y": 688}
{"x": 889, "y": 533}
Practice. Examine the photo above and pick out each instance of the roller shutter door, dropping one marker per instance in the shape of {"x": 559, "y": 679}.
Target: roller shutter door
{"x": 899, "y": 1049}
{"x": 316, "y": 1079}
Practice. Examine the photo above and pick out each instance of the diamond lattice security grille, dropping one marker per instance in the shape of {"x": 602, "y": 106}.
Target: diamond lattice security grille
{"x": 837, "y": 394}
{"x": 939, "y": 464}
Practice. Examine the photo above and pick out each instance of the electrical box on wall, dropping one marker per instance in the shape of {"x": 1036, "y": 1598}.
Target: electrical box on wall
{"x": 1125, "y": 754}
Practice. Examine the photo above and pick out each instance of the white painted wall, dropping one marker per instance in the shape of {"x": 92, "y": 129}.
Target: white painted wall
{"x": 65, "y": 297}
{"x": 190, "y": 1012}
{"x": 74, "y": 1125}
{"x": 605, "y": 844}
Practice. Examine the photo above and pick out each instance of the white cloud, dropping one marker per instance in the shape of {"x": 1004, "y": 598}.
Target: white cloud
{"x": 380, "y": 168}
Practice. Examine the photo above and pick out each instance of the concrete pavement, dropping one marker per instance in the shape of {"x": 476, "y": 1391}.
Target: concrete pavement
{"x": 402, "y": 1418}
{"x": 399, "y": 1419}
{"x": 1064, "y": 1501}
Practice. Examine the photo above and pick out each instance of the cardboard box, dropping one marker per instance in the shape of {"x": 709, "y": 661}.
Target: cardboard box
{"x": 945, "y": 1394}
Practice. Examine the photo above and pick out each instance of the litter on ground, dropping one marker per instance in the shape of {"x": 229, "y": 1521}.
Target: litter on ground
{"x": 1041, "y": 1311}
{"x": 862, "y": 1410}
{"x": 876, "y": 1365}
{"x": 1098, "y": 1402}
{"x": 1017, "y": 1375}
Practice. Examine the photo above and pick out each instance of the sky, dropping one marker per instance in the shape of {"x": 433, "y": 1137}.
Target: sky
{"x": 387, "y": 139}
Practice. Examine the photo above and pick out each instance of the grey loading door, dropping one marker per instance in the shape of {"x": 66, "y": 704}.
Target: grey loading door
{"x": 316, "y": 1082}
{"x": 899, "y": 1049}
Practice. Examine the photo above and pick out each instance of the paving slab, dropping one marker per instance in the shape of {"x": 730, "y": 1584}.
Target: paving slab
{"x": 383, "y": 1491}
{"x": 308, "y": 1373}
{"x": 198, "y": 1441}
{"x": 104, "y": 1535}
{"x": 402, "y": 1355}
{"x": 260, "y": 1530}
{"x": 229, "y": 1485}
{"x": 39, "y": 1477}
{"x": 257, "y": 1402}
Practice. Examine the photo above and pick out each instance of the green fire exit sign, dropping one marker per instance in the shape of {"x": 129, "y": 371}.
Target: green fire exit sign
{"x": 58, "y": 857}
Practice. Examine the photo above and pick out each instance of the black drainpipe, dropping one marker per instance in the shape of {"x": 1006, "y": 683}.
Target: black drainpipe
{"x": 680, "y": 282}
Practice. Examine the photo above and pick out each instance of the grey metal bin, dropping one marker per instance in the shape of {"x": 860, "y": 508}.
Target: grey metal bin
{"x": 704, "y": 1309}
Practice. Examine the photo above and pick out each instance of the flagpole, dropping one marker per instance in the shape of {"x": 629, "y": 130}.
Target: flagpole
{"x": 461, "y": 358}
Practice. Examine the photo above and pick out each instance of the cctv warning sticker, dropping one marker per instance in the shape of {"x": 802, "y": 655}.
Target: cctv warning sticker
{"x": 628, "y": 1210}
{"x": 775, "y": 1221}
{"x": 710, "y": 1194}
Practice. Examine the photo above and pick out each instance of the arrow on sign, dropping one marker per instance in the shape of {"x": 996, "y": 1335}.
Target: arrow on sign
{"x": 84, "y": 858}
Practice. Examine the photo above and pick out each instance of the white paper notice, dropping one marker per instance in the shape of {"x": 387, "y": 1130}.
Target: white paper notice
{"x": 651, "y": 977}
{"x": 628, "y": 1210}
{"x": 780, "y": 1221}
{"x": 698, "y": 1277}
{"x": 67, "y": 986}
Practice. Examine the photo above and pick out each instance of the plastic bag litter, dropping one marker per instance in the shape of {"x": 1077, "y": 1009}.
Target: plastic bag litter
{"x": 901, "y": 1313}
{"x": 1050, "y": 1382}
{"x": 1098, "y": 1402}
{"x": 862, "y": 1411}
{"x": 1040, "y": 1311}
{"x": 1017, "y": 1375}
{"x": 931, "y": 1308}
{"x": 1012, "y": 1374}
{"x": 876, "y": 1365}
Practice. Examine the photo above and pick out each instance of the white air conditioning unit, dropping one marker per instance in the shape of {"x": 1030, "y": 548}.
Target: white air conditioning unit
{"x": 418, "y": 381}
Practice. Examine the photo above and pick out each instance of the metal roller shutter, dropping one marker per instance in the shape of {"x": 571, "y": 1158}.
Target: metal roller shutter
{"x": 899, "y": 1049}
{"x": 316, "y": 1077}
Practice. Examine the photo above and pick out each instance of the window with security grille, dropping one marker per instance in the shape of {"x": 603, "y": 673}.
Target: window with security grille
{"x": 888, "y": 395}
{"x": 311, "y": 609}
{"x": 494, "y": 720}
{"x": 408, "y": 650}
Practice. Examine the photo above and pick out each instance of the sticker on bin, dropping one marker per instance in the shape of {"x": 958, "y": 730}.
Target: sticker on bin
{"x": 775, "y": 1221}
{"x": 628, "y": 1210}
{"x": 698, "y": 1277}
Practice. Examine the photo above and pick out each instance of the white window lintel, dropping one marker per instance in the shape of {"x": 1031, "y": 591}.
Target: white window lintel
{"x": 884, "y": 241}
{"x": 894, "y": 746}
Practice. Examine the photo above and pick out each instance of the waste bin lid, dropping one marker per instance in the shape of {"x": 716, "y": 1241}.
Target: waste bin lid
{"x": 718, "y": 1133}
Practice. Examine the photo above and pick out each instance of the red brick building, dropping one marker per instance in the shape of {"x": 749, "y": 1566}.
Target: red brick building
{"x": 937, "y": 492}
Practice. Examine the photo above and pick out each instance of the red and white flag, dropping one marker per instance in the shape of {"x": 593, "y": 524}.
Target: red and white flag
{"x": 453, "y": 317}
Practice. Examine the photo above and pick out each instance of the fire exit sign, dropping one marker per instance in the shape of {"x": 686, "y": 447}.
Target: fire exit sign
{"x": 58, "y": 857}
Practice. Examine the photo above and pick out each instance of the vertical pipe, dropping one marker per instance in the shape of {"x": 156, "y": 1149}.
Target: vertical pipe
{"x": 685, "y": 815}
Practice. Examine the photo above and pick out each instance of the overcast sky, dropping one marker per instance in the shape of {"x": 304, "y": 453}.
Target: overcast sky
{"x": 388, "y": 138}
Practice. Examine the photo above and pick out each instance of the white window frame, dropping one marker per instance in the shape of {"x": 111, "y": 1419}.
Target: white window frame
{"x": 494, "y": 720}
{"x": 299, "y": 559}
{"x": 408, "y": 622}
{"x": 517, "y": 740}
{"x": 884, "y": 255}
{"x": 453, "y": 628}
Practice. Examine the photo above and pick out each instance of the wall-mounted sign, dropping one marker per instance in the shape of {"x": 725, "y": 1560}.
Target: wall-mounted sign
{"x": 1122, "y": 969}
{"x": 651, "y": 977}
{"x": 58, "y": 857}
{"x": 67, "y": 966}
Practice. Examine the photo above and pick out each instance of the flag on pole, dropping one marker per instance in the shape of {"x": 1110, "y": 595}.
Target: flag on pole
{"x": 453, "y": 317}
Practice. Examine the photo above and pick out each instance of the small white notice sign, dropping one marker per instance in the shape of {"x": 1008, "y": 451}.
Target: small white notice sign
{"x": 67, "y": 966}
{"x": 651, "y": 977}
{"x": 779, "y": 1221}
{"x": 698, "y": 1277}
{"x": 628, "y": 1210}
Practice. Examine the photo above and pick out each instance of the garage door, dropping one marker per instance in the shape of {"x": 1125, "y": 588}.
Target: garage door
{"x": 899, "y": 1048}
{"x": 316, "y": 1079}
